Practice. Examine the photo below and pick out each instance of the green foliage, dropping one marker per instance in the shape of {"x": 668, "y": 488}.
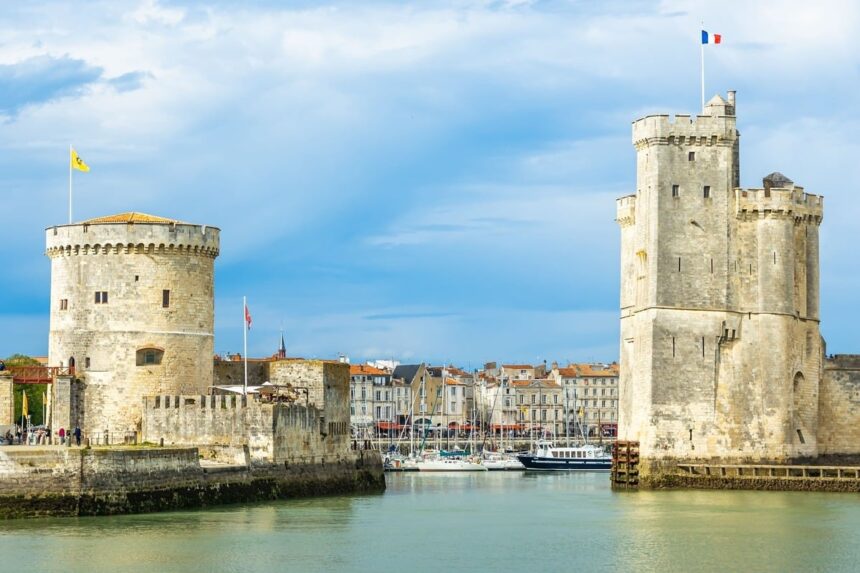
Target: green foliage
{"x": 21, "y": 360}
{"x": 35, "y": 392}
{"x": 35, "y": 401}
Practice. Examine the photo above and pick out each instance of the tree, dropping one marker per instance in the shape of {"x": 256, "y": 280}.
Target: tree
{"x": 35, "y": 392}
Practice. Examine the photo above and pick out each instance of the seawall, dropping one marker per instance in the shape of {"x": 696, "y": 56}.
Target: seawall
{"x": 60, "y": 481}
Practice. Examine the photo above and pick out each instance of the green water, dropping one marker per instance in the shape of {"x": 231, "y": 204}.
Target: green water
{"x": 467, "y": 522}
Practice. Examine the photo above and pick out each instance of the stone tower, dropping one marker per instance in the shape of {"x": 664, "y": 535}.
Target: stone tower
{"x": 132, "y": 310}
{"x": 720, "y": 346}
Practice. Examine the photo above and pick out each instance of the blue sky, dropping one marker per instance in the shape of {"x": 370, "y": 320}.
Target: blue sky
{"x": 426, "y": 181}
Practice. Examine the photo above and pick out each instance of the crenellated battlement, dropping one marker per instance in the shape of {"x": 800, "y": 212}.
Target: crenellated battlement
{"x": 625, "y": 209}
{"x": 683, "y": 129}
{"x": 780, "y": 201}
{"x": 132, "y": 238}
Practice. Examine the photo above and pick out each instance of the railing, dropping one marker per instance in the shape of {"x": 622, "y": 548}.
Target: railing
{"x": 770, "y": 471}
{"x": 38, "y": 374}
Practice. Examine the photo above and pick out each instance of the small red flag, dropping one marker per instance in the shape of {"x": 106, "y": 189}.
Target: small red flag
{"x": 247, "y": 317}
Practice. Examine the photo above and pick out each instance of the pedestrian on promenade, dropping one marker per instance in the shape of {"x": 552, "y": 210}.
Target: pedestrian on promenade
{"x": 77, "y": 436}
{"x": 62, "y": 436}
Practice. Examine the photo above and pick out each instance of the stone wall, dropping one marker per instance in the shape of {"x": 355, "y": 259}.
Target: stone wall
{"x": 839, "y": 406}
{"x": 221, "y": 421}
{"x": 223, "y": 425}
{"x": 59, "y": 481}
{"x": 7, "y": 399}
{"x": 230, "y": 373}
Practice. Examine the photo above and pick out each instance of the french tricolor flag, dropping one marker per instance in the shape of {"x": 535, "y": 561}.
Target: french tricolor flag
{"x": 711, "y": 38}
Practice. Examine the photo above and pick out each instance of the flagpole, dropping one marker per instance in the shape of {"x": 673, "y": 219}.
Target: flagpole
{"x": 245, "y": 333}
{"x": 702, "y": 52}
{"x": 70, "y": 184}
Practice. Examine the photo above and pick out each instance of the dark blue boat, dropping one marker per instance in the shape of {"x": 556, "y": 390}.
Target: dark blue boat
{"x": 546, "y": 457}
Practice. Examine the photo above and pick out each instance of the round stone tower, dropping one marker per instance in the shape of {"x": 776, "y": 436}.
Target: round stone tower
{"x": 132, "y": 310}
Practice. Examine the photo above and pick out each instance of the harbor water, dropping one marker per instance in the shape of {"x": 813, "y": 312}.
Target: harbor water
{"x": 488, "y": 521}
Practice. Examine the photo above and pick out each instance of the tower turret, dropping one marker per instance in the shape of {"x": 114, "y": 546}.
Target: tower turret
{"x": 132, "y": 309}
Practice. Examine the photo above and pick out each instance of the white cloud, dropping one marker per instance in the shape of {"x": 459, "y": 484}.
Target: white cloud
{"x": 151, "y": 11}
{"x": 485, "y": 132}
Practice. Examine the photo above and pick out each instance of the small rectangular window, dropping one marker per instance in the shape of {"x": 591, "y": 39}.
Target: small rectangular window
{"x": 165, "y": 298}
{"x": 87, "y": 362}
{"x": 101, "y": 297}
{"x": 136, "y": 278}
{"x": 706, "y": 191}
{"x": 679, "y": 264}
{"x": 691, "y": 156}
{"x": 676, "y": 190}
{"x": 64, "y": 304}
{"x": 673, "y": 347}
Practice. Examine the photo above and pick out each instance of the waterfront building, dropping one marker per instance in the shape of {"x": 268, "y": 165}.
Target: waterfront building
{"x": 522, "y": 371}
{"x": 410, "y": 376}
{"x": 540, "y": 406}
{"x": 496, "y": 403}
{"x": 449, "y": 392}
{"x": 132, "y": 314}
{"x": 373, "y": 400}
{"x": 590, "y": 392}
{"x": 721, "y": 356}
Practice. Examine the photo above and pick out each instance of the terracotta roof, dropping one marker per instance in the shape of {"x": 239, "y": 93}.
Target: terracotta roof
{"x": 567, "y": 372}
{"x": 518, "y": 366}
{"x": 536, "y": 383}
{"x": 453, "y": 370}
{"x": 596, "y": 370}
{"x": 130, "y": 217}
{"x": 359, "y": 369}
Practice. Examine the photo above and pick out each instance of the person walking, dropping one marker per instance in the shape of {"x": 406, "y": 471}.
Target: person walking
{"x": 77, "y": 436}
{"x": 62, "y": 434}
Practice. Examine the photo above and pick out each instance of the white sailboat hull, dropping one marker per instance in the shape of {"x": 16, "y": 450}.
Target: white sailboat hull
{"x": 449, "y": 465}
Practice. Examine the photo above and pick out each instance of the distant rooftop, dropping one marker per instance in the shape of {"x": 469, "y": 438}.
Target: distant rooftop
{"x": 130, "y": 217}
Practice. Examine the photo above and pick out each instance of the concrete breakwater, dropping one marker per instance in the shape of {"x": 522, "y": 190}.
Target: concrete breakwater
{"x": 57, "y": 481}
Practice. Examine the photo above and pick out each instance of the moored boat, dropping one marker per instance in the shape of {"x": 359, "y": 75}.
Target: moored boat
{"x": 548, "y": 457}
{"x": 498, "y": 461}
{"x": 394, "y": 462}
{"x": 441, "y": 464}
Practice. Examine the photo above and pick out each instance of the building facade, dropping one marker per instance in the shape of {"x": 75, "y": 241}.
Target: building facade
{"x": 720, "y": 350}
{"x": 590, "y": 393}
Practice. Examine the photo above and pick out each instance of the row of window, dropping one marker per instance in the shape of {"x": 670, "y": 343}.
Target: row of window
{"x": 706, "y": 191}
{"x": 594, "y": 381}
{"x": 101, "y": 297}
{"x": 143, "y": 357}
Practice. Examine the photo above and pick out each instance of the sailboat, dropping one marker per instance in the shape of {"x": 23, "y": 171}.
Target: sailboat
{"x": 500, "y": 460}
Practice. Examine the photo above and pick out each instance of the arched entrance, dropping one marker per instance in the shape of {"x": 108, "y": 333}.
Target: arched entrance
{"x": 799, "y": 405}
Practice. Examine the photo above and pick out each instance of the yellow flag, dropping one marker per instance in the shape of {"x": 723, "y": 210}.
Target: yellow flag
{"x": 24, "y": 409}
{"x": 78, "y": 163}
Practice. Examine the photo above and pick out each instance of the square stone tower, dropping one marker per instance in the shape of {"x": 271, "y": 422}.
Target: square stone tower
{"x": 720, "y": 347}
